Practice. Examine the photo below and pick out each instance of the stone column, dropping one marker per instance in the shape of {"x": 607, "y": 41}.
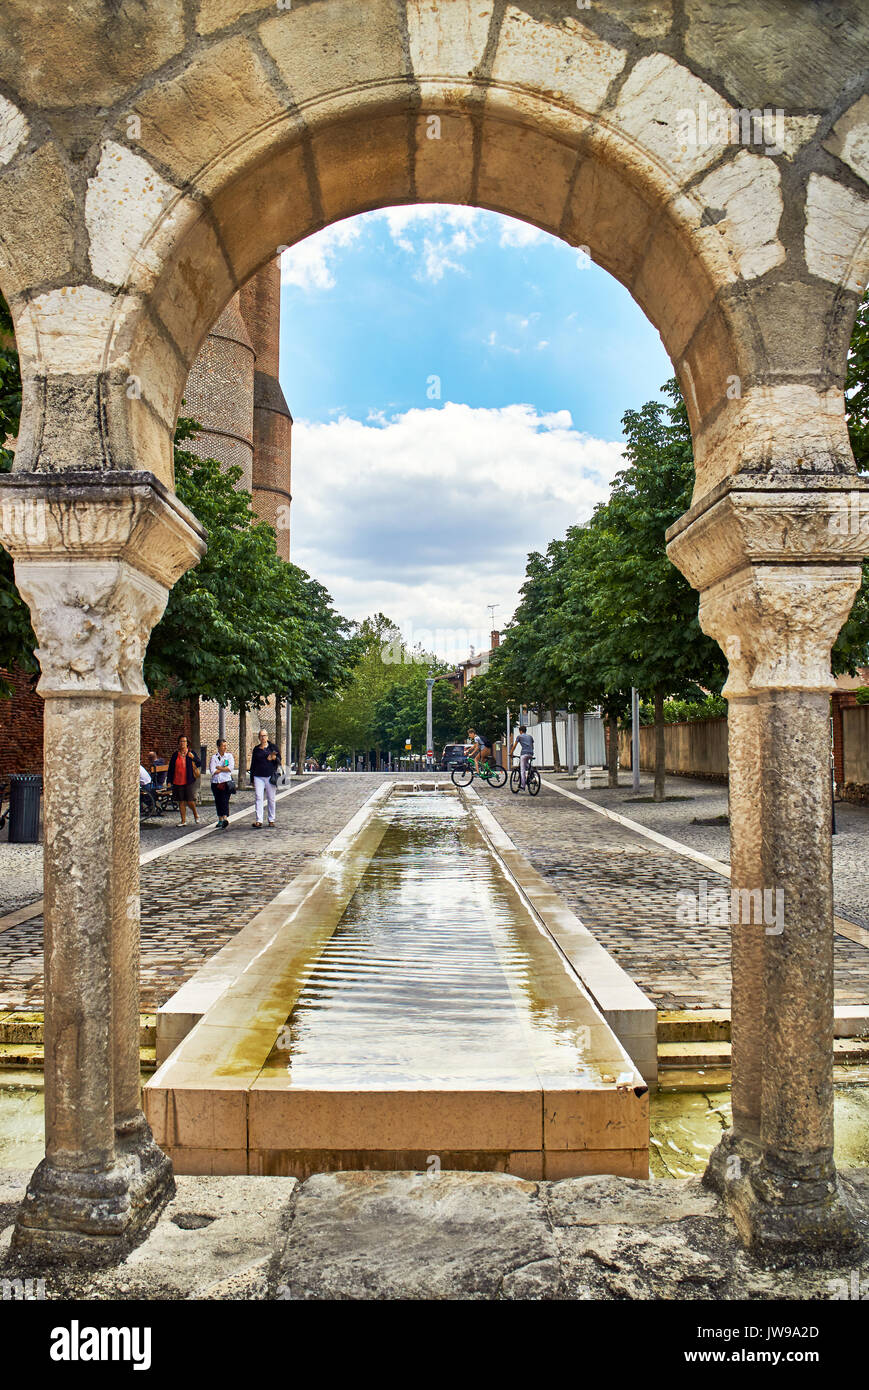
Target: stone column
{"x": 95, "y": 556}
{"x": 777, "y": 564}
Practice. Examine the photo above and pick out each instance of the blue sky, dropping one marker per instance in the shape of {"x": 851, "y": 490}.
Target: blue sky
{"x": 457, "y": 381}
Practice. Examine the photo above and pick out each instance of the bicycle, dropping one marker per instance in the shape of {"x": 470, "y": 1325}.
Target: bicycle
{"x": 464, "y": 773}
{"x": 532, "y": 780}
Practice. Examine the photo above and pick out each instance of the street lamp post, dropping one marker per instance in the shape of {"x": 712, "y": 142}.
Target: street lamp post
{"x": 429, "y": 732}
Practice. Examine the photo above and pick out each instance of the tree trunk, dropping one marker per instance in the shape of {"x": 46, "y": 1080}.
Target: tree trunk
{"x": 556, "y": 760}
{"x": 660, "y": 768}
{"x": 352, "y": 759}
{"x": 242, "y": 748}
{"x": 580, "y": 739}
{"x": 303, "y": 738}
{"x": 612, "y": 752}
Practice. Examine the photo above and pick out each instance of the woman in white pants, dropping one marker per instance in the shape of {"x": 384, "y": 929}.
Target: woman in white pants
{"x": 265, "y": 761}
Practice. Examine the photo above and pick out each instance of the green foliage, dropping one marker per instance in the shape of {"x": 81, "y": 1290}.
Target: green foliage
{"x": 679, "y": 711}
{"x": 862, "y": 695}
{"x": 401, "y": 714}
{"x": 384, "y": 701}
{"x": 233, "y": 630}
{"x": 644, "y": 612}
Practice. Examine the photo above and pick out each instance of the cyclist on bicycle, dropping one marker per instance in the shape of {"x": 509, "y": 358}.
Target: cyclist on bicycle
{"x": 477, "y": 748}
{"x": 526, "y": 744}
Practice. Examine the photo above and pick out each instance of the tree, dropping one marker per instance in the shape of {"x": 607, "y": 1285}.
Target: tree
{"x": 232, "y": 630}
{"x": 331, "y": 653}
{"x": 529, "y": 655}
{"x": 400, "y": 712}
{"x": 646, "y": 629}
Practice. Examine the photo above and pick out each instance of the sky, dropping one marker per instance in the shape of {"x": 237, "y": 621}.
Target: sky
{"x": 457, "y": 381}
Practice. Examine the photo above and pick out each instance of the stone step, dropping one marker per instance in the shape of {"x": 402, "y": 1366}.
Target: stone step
{"x": 718, "y": 1078}
{"x": 25, "y": 1057}
{"x": 22, "y": 1027}
{"x": 693, "y": 1025}
{"x": 694, "y": 1055}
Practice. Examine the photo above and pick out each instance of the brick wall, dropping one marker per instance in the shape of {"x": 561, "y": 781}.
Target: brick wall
{"x": 20, "y": 727}
{"x": 163, "y": 723}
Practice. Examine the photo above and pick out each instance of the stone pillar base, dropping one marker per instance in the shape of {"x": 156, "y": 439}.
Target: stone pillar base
{"x": 94, "y": 1217}
{"x": 732, "y": 1158}
{"x": 784, "y": 1215}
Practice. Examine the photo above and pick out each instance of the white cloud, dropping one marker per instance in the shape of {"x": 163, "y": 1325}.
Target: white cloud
{"x": 309, "y": 264}
{"x": 429, "y": 515}
{"x": 519, "y": 234}
{"x": 438, "y": 236}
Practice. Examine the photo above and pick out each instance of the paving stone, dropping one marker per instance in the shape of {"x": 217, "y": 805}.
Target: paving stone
{"x": 418, "y": 1235}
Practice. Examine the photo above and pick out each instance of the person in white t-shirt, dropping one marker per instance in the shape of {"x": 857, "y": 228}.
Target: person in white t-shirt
{"x": 222, "y": 767}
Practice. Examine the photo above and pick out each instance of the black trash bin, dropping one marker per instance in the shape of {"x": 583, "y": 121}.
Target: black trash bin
{"x": 25, "y": 789}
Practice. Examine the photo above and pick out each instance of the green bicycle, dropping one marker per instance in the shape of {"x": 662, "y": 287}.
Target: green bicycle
{"x": 464, "y": 773}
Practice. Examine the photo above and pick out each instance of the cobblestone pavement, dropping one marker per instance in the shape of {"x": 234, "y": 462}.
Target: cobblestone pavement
{"x": 700, "y": 800}
{"x": 195, "y": 899}
{"x": 622, "y": 886}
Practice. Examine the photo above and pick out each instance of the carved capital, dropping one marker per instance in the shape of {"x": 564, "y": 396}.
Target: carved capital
{"x": 778, "y": 567}
{"x": 95, "y": 557}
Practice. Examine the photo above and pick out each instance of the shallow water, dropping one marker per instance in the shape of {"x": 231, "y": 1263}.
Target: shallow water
{"x": 686, "y": 1125}
{"x": 436, "y": 974}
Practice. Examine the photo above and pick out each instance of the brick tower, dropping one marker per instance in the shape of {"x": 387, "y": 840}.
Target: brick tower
{"x": 234, "y": 392}
{"x": 260, "y": 302}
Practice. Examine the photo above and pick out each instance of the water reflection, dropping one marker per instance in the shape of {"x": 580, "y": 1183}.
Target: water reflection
{"x": 436, "y": 975}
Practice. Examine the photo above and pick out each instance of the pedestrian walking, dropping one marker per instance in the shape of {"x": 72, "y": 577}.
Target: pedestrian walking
{"x": 222, "y": 767}
{"x": 183, "y": 771}
{"x": 265, "y": 761}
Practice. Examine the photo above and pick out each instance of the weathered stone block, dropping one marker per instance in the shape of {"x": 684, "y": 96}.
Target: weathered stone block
{"x": 324, "y": 49}
{"x": 850, "y": 138}
{"x": 744, "y": 197}
{"x": 448, "y": 43}
{"x": 773, "y": 53}
{"x": 444, "y": 162}
{"x": 539, "y": 192}
{"x": 265, "y": 207}
{"x": 658, "y": 107}
{"x": 611, "y": 216}
{"x": 209, "y": 121}
{"x": 14, "y": 129}
{"x": 566, "y": 60}
{"x": 365, "y": 165}
{"x": 837, "y": 233}
{"x": 39, "y": 220}
{"x": 86, "y": 54}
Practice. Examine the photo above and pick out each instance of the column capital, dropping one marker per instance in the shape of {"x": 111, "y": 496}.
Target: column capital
{"x": 778, "y": 562}
{"x": 95, "y": 557}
